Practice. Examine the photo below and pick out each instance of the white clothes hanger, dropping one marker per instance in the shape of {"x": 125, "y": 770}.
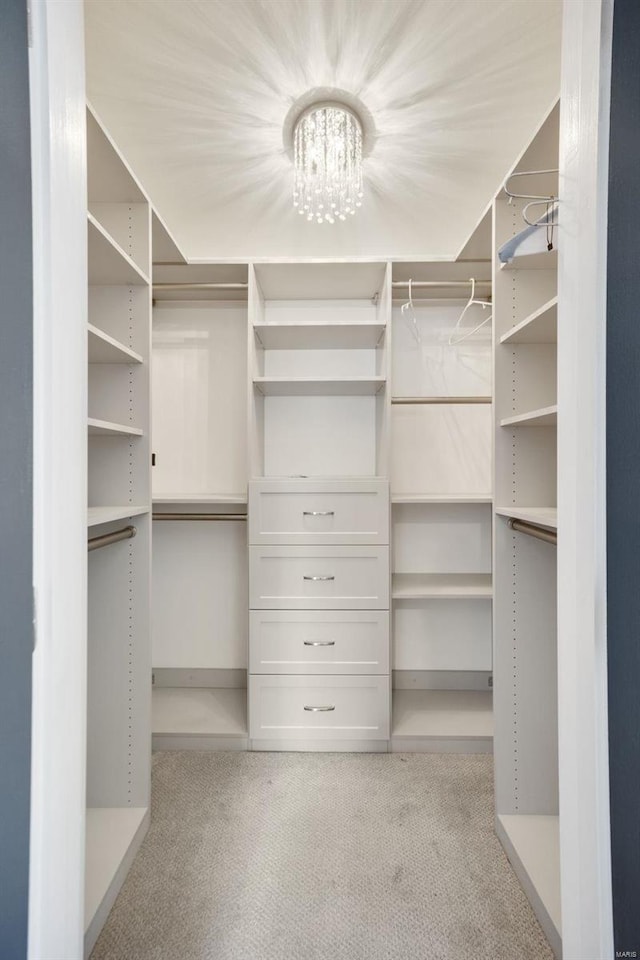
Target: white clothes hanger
{"x": 411, "y": 317}
{"x": 470, "y": 303}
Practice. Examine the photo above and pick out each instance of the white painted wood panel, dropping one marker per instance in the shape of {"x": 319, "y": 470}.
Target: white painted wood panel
{"x": 319, "y": 642}
{"x": 434, "y": 538}
{"x": 199, "y": 398}
{"x": 343, "y": 708}
{"x": 200, "y": 596}
{"x": 441, "y": 448}
{"x": 305, "y": 511}
{"x": 442, "y": 635}
{"x": 321, "y": 578}
{"x": 320, "y": 363}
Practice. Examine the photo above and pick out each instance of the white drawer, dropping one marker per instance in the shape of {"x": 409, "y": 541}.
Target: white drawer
{"x": 319, "y": 708}
{"x": 319, "y": 578}
{"x": 319, "y": 642}
{"x": 312, "y": 511}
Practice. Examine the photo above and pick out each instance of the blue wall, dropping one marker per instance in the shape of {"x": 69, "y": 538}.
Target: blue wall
{"x": 623, "y": 472}
{"x": 16, "y": 418}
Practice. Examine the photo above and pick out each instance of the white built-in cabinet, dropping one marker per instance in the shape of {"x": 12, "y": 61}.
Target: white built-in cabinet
{"x": 119, "y": 495}
{"x": 525, "y": 609}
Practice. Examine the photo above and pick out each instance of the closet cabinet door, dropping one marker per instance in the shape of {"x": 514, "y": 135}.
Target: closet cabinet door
{"x": 319, "y": 708}
{"x": 319, "y": 642}
{"x": 319, "y": 578}
{"x": 319, "y": 512}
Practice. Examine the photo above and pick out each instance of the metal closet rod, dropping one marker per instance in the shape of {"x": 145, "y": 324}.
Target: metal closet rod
{"x": 199, "y": 516}
{"x": 95, "y": 543}
{"x": 533, "y": 530}
{"x": 419, "y": 400}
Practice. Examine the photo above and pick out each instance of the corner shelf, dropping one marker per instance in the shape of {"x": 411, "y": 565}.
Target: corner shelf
{"x": 460, "y": 720}
{"x": 544, "y": 417}
{"x": 98, "y": 515}
{"x": 442, "y": 498}
{"x": 441, "y": 586}
{"x": 543, "y": 516}
{"x": 324, "y": 386}
{"x": 108, "y": 263}
{"x": 105, "y": 349}
{"x": 546, "y": 260}
{"x": 104, "y": 428}
{"x": 319, "y": 336}
{"x": 199, "y": 718}
{"x": 539, "y": 327}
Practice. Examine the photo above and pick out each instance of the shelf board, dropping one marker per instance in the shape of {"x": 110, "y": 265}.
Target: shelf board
{"x": 109, "y": 265}
{"x": 324, "y": 386}
{"x": 113, "y": 836}
{"x": 441, "y": 586}
{"x": 539, "y": 327}
{"x": 319, "y": 336}
{"x": 98, "y": 515}
{"x": 103, "y": 428}
{"x": 543, "y": 516}
{"x": 546, "y": 260}
{"x": 442, "y": 714}
{"x": 187, "y": 717}
{"x": 190, "y": 499}
{"x": 532, "y": 844}
{"x": 105, "y": 349}
{"x": 443, "y": 498}
{"x": 545, "y": 417}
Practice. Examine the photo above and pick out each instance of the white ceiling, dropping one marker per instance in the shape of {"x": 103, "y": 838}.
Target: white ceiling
{"x": 195, "y": 92}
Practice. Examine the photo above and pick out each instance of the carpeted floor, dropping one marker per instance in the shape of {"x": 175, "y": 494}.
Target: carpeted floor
{"x": 303, "y": 856}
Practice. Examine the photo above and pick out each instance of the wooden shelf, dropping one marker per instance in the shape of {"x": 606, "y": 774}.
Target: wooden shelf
{"x": 191, "y": 499}
{"x": 539, "y": 327}
{"x": 464, "y": 715}
{"x": 319, "y": 336}
{"x": 543, "y": 516}
{"x": 532, "y": 844}
{"x": 441, "y": 586}
{"x": 98, "y": 515}
{"x": 108, "y": 263}
{"x": 443, "y": 498}
{"x": 105, "y": 349}
{"x": 325, "y": 386}
{"x": 103, "y": 428}
{"x": 199, "y": 718}
{"x": 546, "y": 260}
{"x": 113, "y": 836}
{"x": 545, "y": 417}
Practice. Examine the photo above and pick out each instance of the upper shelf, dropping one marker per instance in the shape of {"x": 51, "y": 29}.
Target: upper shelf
{"x": 442, "y": 498}
{"x": 98, "y": 515}
{"x": 324, "y": 386}
{"x": 441, "y": 586}
{"x": 104, "y": 428}
{"x": 105, "y": 349}
{"x": 545, "y": 417}
{"x": 108, "y": 264}
{"x": 543, "y": 516}
{"x": 547, "y": 260}
{"x": 539, "y": 327}
{"x": 318, "y": 336}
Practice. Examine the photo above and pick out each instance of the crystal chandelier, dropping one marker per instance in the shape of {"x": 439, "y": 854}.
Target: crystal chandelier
{"x": 327, "y": 143}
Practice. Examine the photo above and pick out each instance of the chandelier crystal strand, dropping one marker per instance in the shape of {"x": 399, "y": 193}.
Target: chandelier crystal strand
{"x": 328, "y": 164}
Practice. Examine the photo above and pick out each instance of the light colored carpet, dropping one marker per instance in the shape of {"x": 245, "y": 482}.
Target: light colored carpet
{"x": 303, "y": 856}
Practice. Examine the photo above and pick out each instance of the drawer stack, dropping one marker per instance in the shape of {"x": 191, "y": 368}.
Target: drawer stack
{"x": 319, "y": 622}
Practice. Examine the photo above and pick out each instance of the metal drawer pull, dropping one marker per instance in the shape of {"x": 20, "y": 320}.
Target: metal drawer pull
{"x": 305, "y": 577}
{"x": 318, "y": 513}
{"x": 319, "y": 643}
{"x": 319, "y": 709}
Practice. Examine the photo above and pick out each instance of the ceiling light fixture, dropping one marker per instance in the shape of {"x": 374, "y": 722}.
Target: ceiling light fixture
{"x": 327, "y": 145}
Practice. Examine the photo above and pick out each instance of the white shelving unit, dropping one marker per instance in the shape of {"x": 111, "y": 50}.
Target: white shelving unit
{"x": 324, "y": 335}
{"x": 194, "y": 718}
{"x": 447, "y": 721}
{"x": 118, "y": 639}
{"x": 525, "y": 630}
{"x": 319, "y": 387}
{"x": 417, "y": 586}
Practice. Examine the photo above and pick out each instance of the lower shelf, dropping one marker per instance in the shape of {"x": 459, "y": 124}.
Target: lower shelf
{"x": 532, "y": 844}
{"x": 442, "y": 721}
{"x": 113, "y": 836}
{"x": 198, "y": 718}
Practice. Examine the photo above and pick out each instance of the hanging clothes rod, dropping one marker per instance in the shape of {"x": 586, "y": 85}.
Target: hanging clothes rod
{"x": 199, "y": 516}
{"x": 201, "y": 286}
{"x": 418, "y": 400}
{"x": 431, "y": 284}
{"x": 533, "y": 530}
{"x": 95, "y": 543}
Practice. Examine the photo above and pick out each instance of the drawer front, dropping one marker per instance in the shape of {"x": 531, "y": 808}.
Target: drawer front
{"x": 319, "y": 708}
{"x": 292, "y": 512}
{"x": 319, "y": 642}
{"x": 319, "y": 578}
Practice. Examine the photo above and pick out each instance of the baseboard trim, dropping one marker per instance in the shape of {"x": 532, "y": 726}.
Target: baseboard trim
{"x": 321, "y": 746}
{"x": 440, "y": 745}
{"x": 194, "y": 741}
